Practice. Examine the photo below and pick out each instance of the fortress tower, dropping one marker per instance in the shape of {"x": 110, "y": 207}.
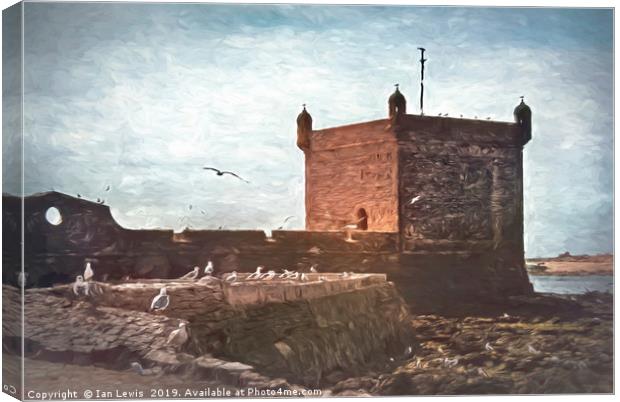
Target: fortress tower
{"x": 452, "y": 189}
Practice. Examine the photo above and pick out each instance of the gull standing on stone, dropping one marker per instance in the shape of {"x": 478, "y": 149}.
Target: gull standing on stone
{"x": 161, "y": 301}
{"x": 88, "y": 272}
{"x": 209, "y": 268}
{"x": 80, "y": 286}
{"x": 256, "y": 273}
{"x": 192, "y": 274}
{"x": 268, "y": 276}
{"x": 285, "y": 274}
{"x": 232, "y": 277}
{"x": 178, "y": 337}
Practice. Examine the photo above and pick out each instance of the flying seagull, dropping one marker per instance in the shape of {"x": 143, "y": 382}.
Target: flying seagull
{"x": 178, "y": 337}
{"x": 415, "y": 199}
{"x": 223, "y": 172}
{"x": 88, "y": 272}
{"x": 192, "y": 274}
{"x": 161, "y": 301}
{"x": 107, "y": 188}
{"x": 285, "y": 220}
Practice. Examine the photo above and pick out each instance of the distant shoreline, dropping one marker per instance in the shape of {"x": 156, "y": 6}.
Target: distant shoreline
{"x": 569, "y": 265}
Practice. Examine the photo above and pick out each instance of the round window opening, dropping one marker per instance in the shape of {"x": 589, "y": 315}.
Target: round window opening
{"x": 53, "y": 216}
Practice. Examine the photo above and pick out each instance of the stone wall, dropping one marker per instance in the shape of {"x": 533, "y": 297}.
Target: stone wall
{"x": 467, "y": 226}
{"x": 354, "y": 322}
{"x": 348, "y": 169}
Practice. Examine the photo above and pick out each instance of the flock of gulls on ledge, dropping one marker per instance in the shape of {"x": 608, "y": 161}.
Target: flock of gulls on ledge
{"x": 84, "y": 285}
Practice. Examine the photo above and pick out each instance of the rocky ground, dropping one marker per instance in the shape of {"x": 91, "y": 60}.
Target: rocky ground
{"x": 528, "y": 350}
{"x": 540, "y": 344}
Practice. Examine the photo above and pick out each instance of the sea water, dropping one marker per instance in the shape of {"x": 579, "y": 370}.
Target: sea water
{"x": 572, "y": 284}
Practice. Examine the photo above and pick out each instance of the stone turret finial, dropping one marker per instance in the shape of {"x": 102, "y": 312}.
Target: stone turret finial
{"x": 523, "y": 117}
{"x": 304, "y": 128}
{"x": 397, "y": 103}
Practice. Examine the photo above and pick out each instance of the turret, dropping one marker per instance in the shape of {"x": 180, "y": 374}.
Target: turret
{"x": 397, "y": 104}
{"x": 523, "y": 117}
{"x": 304, "y": 129}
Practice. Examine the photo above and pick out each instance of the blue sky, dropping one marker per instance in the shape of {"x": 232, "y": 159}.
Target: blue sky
{"x": 139, "y": 97}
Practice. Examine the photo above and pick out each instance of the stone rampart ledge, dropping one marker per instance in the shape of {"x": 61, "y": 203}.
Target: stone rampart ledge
{"x": 318, "y": 285}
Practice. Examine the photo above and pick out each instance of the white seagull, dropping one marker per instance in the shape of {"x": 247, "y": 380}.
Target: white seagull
{"x": 304, "y": 277}
{"x": 285, "y": 274}
{"x": 488, "y": 347}
{"x": 209, "y": 268}
{"x": 88, "y": 272}
{"x": 192, "y": 274}
{"x": 267, "y": 276}
{"x": 256, "y": 273}
{"x": 80, "y": 286}
{"x": 161, "y": 301}
{"x": 232, "y": 277}
{"x": 178, "y": 337}
{"x": 415, "y": 199}
{"x": 313, "y": 269}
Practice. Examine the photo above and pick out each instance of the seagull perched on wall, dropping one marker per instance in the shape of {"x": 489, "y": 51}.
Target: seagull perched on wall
{"x": 88, "y": 272}
{"x": 313, "y": 268}
{"x": 161, "y": 301}
{"x": 192, "y": 275}
{"x": 303, "y": 277}
{"x": 223, "y": 172}
{"x": 209, "y": 268}
{"x": 232, "y": 277}
{"x": 178, "y": 337}
{"x": 284, "y": 274}
{"x": 267, "y": 276}
{"x": 256, "y": 273}
{"x": 79, "y": 286}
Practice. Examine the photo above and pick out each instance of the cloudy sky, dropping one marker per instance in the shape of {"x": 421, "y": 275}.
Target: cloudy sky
{"x": 140, "y": 96}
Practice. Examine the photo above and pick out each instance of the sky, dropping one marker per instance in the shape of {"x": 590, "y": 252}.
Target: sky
{"x": 140, "y": 97}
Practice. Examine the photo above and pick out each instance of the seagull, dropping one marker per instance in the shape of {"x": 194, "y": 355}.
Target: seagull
{"x": 178, "y": 337}
{"x": 445, "y": 115}
{"x": 293, "y": 275}
{"x": 450, "y": 362}
{"x": 256, "y": 273}
{"x": 415, "y": 199}
{"x": 506, "y": 315}
{"x": 161, "y": 301}
{"x": 107, "y": 188}
{"x": 531, "y": 349}
{"x": 488, "y": 347}
{"x": 232, "y": 277}
{"x": 304, "y": 277}
{"x": 80, "y": 286}
{"x": 209, "y": 268}
{"x": 488, "y": 118}
{"x": 285, "y": 220}
{"x": 137, "y": 367}
{"x": 223, "y": 172}
{"x": 267, "y": 276}
{"x": 285, "y": 274}
{"x": 98, "y": 200}
{"x": 313, "y": 269}
{"x": 192, "y": 274}
{"x": 79, "y": 195}
{"x": 88, "y": 272}
{"x": 344, "y": 274}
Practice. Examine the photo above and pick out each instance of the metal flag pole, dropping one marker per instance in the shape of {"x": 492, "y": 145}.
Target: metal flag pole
{"x": 422, "y": 60}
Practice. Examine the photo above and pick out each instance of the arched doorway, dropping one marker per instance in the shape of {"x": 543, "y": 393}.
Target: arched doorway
{"x": 362, "y": 219}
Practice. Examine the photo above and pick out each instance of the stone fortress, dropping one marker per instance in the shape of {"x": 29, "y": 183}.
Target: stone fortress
{"x": 435, "y": 203}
